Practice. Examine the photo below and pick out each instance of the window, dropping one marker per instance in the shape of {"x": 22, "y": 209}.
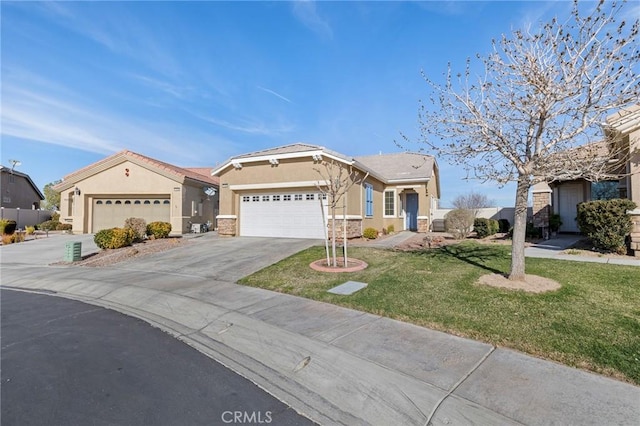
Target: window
{"x": 118, "y": 202}
{"x": 164, "y": 202}
{"x": 98, "y": 202}
{"x": 286, "y": 197}
{"x": 246, "y": 199}
{"x": 156, "y": 202}
{"x": 276, "y": 198}
{"x": 297, "y": 197}
{"x": 265, "y": 198}
{"x": 390, "y": 203}
{"x": 127, "y": 202}
{"x": 368, "y": 200}
{"x": 136, "y": 202}
{"x": 147, "y": 202}
{"x": 324, "y": 196}
{"x": 255, "y": 198}
{"x": 605, "y": 190}
{"x": 311, "y": 197}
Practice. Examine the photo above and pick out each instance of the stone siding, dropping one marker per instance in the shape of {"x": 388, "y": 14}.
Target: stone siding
{"x": 541, "y": 209}
{"x": 423, "y": 225}
{"x": 635, "y": 233}
{"x": 227, "y": 226}
{"x": 354, "y": 228}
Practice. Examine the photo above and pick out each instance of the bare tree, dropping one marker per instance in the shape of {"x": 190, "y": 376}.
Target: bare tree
{"x": 542, "y": 94}
{"x": 472, "y": 201}
{"x": 336, "y": 180}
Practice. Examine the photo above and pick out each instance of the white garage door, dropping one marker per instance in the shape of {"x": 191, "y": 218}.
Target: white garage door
{"x": 112, "y": 212}
{"x": 285, "y": 215}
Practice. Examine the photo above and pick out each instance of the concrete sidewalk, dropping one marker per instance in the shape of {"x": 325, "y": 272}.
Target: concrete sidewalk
{"x": 554, "y": 248}
{"x": 336, "y": 365}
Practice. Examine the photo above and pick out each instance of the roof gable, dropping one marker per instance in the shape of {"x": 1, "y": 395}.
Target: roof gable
{"x": 24, "y": 176}
{"x": 176, "y": 173}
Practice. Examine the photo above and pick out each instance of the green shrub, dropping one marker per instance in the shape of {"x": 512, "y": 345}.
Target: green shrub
{"x": 503, "y": 225}
{"x": 138, "y": 225}
{"x": 370, "y": 233}
{"x": 49, "y": 225}
{"x": 459, "y": 223}
{"x": 555, "y": 222}
{"x": 532, "y": 231}
{"x": 64, "y": 227}
{"x": 391, "y": 229}
{"x": 114, "y": 238}
{"x": 485, "y": 227}
{"x": 606, "y": 223}
{"x": 55, "y": 217}
{"x": 7, "y": 226}
{"x": 30, "y": 230}
{"x": 159, "y": 229}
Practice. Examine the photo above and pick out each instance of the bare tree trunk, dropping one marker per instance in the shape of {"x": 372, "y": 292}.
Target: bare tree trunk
{"x": 344, "y": 230}
{"x": 333, "y": 236}
{"x": 325, "y": 222}
{"x": 519, "y": 231}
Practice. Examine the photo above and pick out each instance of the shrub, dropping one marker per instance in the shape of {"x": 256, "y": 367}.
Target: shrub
{"x": 532, "y": 231}
{"x": 64, "y": 227}
{"x": 391, "y": 229}
{"x": 606, "y": 223}
{"x": 370, "y": 233}
{"x": 49, "y": 225}
{"x": 114, "y": 238}
{"x": 485, "y": 227}
{"x": 7, "y": 226}
{"x": 30, "y": 230}
{"x": 159, "y": 229}
{"x": 55, "y": 217}
{"x": 503, "y": 225}
{"x": 459, "y": 223}
{"x": 8, "y": 239}
{"x": 138, "y": 225}
{"x": 555, "y": 222}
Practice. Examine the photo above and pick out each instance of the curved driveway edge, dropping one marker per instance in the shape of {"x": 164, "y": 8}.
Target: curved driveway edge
{"x": 336, "y": 365}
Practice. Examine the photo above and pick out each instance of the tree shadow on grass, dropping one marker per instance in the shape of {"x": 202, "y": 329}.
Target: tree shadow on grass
{"x": 476, "y": 255}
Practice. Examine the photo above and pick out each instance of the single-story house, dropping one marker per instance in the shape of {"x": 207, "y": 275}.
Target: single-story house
{"x": 278, "y": 192}
{"x": 562, "y": 197}
{"x": 104, "y": 194}
{"x": 18, "y": 190}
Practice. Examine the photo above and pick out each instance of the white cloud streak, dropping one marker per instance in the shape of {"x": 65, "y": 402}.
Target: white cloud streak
{"x": 307, "y": 13}
{"x": 278, "y": 95}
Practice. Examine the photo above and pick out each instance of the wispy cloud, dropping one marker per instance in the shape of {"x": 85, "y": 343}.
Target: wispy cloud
{"x": 307, "y": 13}
{"x": 250, "y": 126}
{"x": 278, "y": 95}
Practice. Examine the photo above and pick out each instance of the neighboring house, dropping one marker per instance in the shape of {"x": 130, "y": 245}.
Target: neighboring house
{"x": 275, "y": 192}
{"x": 18, "y": 190}
{"x": 563, "y": 197}
{"x": 106, "y": 193}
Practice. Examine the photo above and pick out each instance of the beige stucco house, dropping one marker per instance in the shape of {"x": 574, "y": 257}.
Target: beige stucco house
{"x": 104, "y": 194}
{"x": 563, "y": 197}
{"x": 278, "y": 192}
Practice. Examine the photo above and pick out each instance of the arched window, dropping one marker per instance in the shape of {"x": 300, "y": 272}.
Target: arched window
{"x": 118, "y": 202}
{"x": 128, "y": 202}
{"x": 166, "y": 202}
{"x": 156, "y": 202}
{"x": 147, "y": 202}
{"x": 99, "y": 202}
{"x": 136, "y": 202}
{"x": 108, "y": 202}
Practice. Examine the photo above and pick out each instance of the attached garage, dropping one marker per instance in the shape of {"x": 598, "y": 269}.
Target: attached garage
{"x": 283, "y": 214}
{"x": 112, "y": 212}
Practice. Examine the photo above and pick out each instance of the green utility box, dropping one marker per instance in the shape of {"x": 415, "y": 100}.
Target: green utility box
{"x": 72, "y": 251}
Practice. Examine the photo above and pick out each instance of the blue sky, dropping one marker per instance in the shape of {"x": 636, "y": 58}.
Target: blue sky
{"x": 194, "y": 83}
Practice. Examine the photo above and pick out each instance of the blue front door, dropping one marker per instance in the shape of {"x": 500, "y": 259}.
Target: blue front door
{"x": 411, "y": 211}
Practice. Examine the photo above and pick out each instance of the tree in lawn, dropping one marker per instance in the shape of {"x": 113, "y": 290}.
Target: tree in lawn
{"x": 51, "y": 197}
{"x": 542, "y": 94}
{"x": 336, "y": 180}
{"x": 473, "y": 201}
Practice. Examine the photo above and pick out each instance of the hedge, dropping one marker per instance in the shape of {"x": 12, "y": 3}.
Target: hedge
{"x": 114, "y": 238}
{"x": 485, "y": 227}
{"x": 606, "y": 223}
{"x": 159, "y": 229}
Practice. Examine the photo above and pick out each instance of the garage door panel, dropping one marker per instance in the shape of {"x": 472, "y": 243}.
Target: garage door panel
{"x": 282, "y": 215}
{"x": 112, "y": 212}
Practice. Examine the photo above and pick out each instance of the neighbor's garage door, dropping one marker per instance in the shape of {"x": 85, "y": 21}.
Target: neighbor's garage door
{"x": 112, "y": 212}
{"x": 287, "y": 215}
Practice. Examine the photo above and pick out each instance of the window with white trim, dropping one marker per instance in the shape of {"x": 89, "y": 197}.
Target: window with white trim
{"x": 255, "y": 198}
{"x": 286, "y": 197}
{"x": 276, "y": 198}
{"x": 297, "y": 197}
{"x": 265, "y": 198}
{"x": 390, "y": 203}
{"x": 311, "y": 197}
{"x": 246, "y": 198}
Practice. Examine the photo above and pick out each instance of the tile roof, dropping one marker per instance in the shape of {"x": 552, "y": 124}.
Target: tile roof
{"x": 292, "y": 149}
{"x": 399, "y": 166}
{"x": 193, "y": 173}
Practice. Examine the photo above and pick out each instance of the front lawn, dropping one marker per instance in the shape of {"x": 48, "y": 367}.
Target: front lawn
{"x": 592, "y": 322}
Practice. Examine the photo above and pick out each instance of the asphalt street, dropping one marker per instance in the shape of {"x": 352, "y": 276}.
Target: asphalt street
{"x": 65, "y": 362}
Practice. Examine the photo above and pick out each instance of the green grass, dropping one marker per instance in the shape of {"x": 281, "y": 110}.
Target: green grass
{"x": 592, "y": 322}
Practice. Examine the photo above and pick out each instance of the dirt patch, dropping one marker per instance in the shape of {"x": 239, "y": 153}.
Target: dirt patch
{"x": 112, "y": 256}
{"x": 531, "y": 284}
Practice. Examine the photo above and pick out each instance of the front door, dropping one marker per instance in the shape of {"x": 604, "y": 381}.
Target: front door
{"x": 570, "y": 195}
{"x": 411, "y": 212}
